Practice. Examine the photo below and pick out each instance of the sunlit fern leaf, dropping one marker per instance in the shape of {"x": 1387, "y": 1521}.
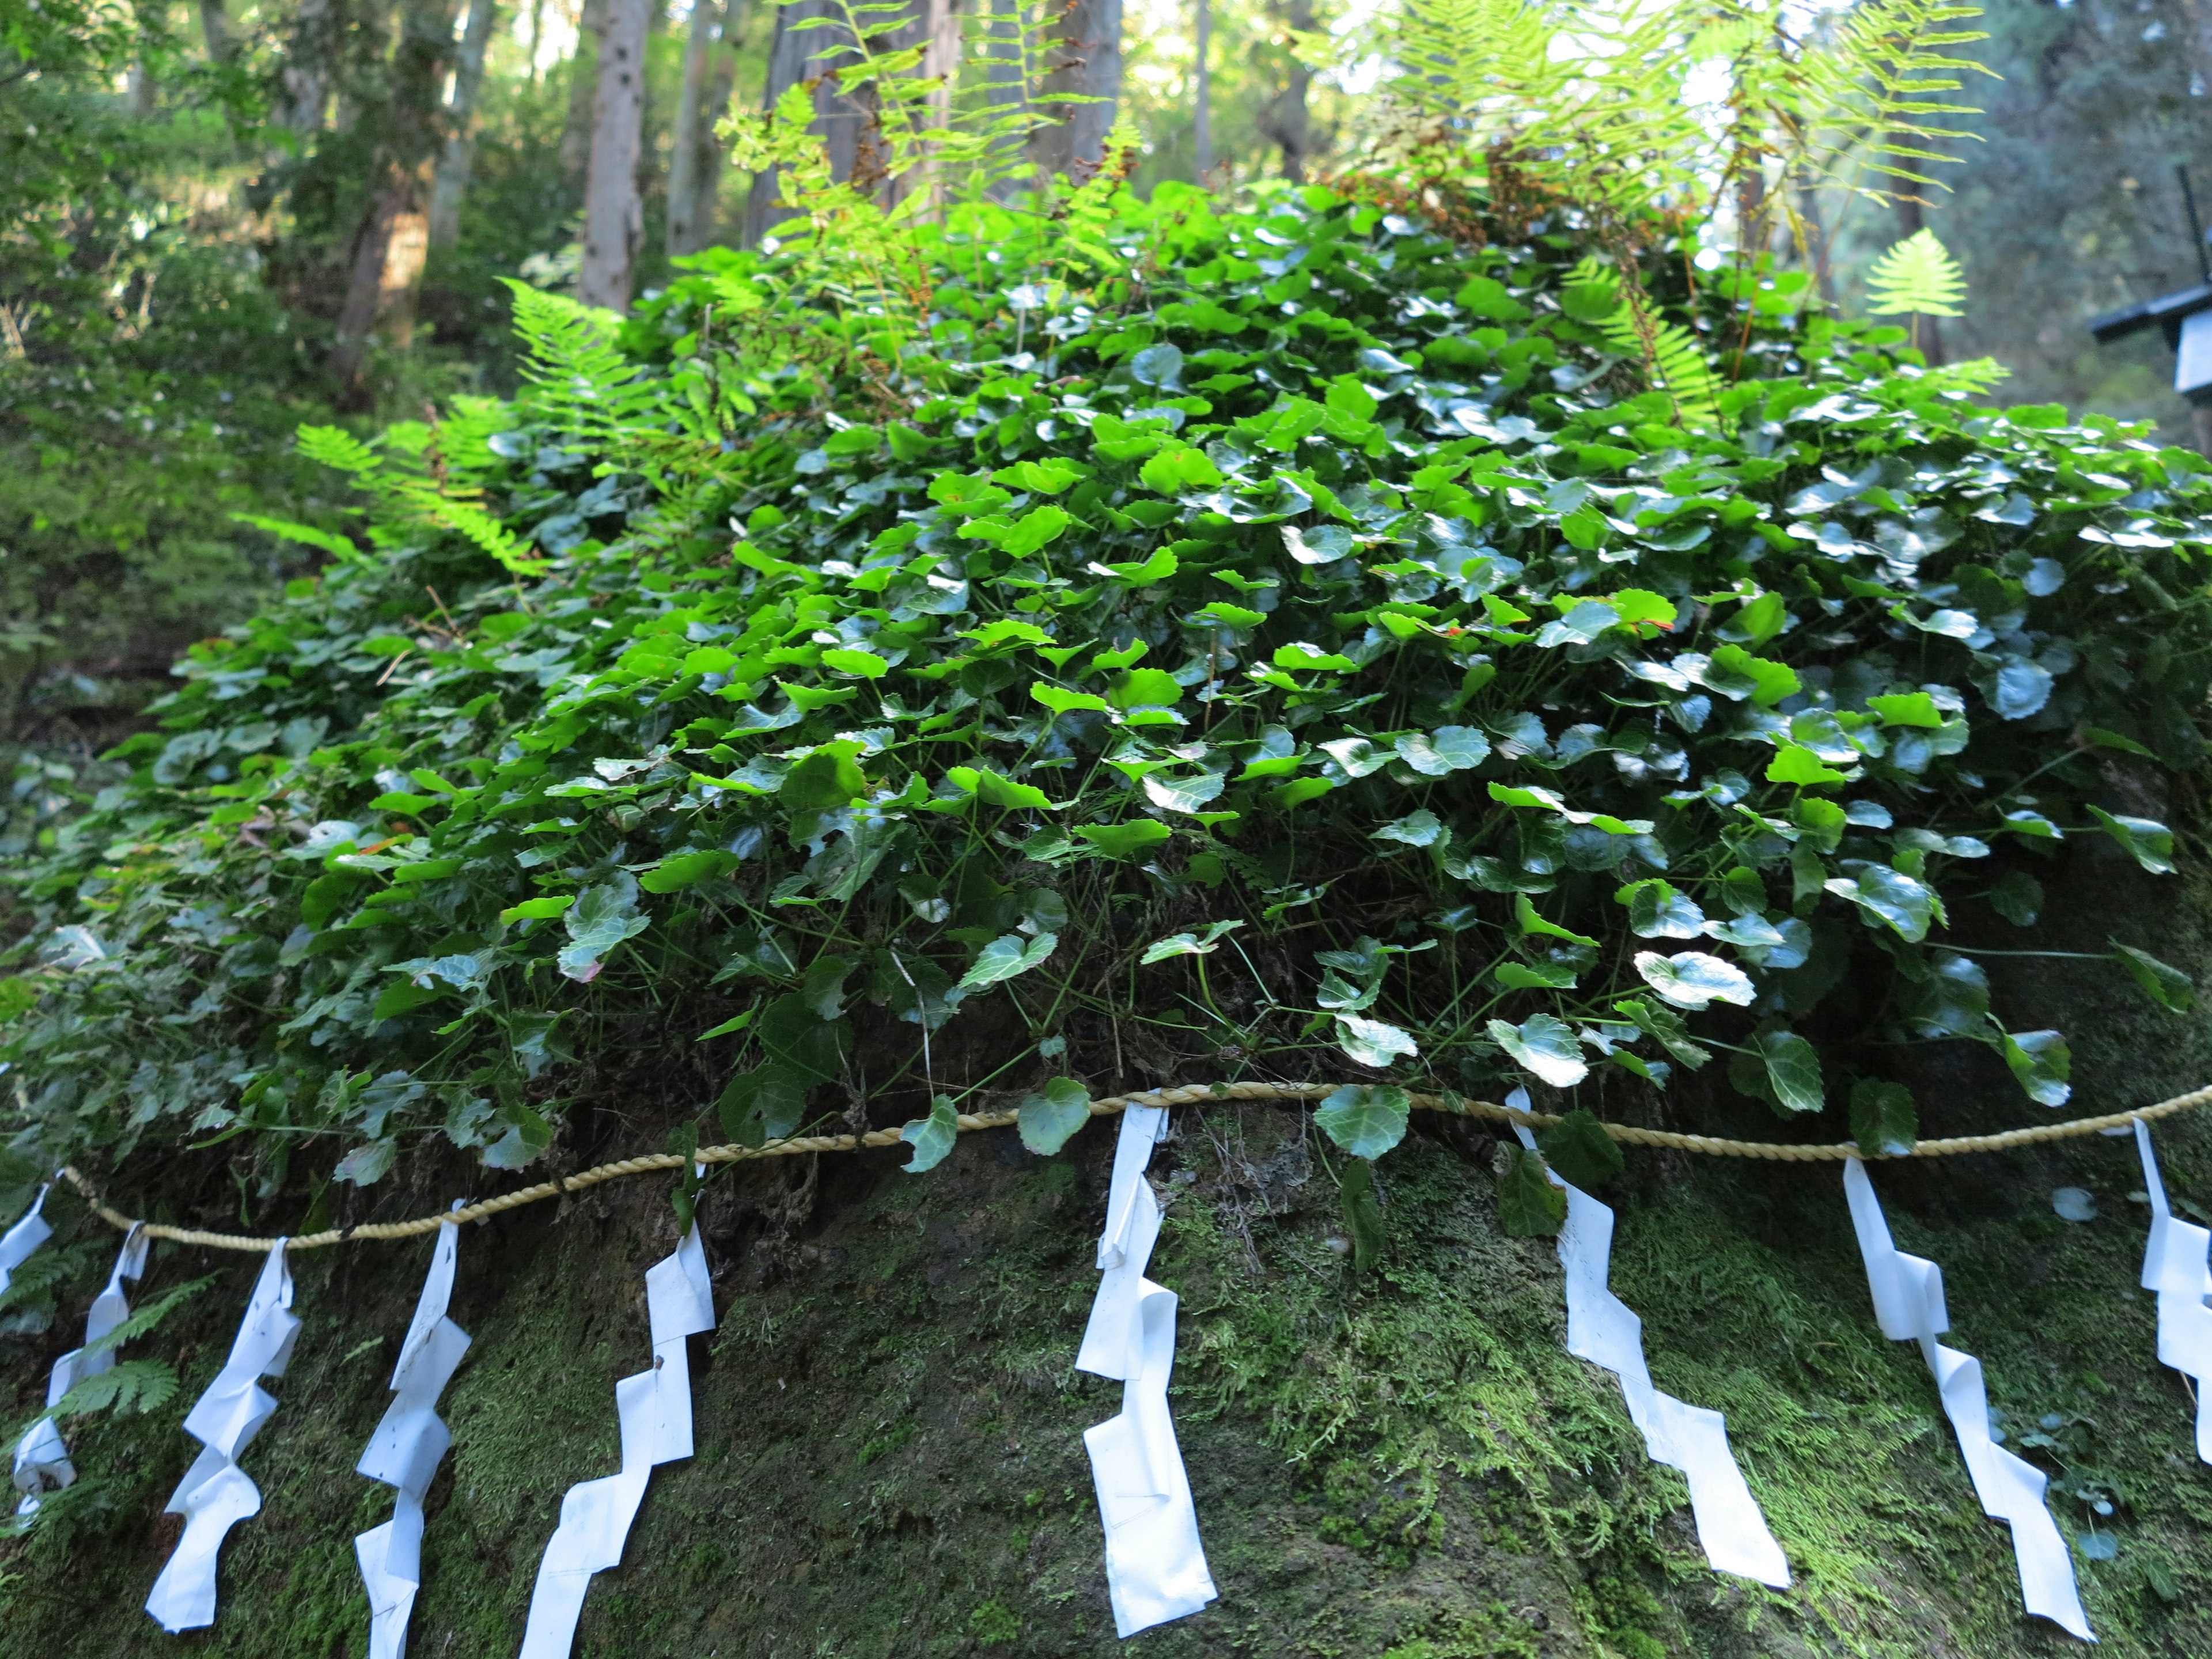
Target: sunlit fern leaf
{"x": 306, "y": 534}
{"x": 33, "y": 1276}
{"x": 580, "y": 380}
{"x": 1973, "y": 377}
{"x": 1916, "y": 275}
{"x": 131, "y": 1385}
{"x": 488, "y": 533}
{"x": 147, "y": 1318}
{"x": 333, "y": 447}
{"x": 1674, "y": 362}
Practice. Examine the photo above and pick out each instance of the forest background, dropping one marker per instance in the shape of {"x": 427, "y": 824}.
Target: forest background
{"x": 221, "y": 220}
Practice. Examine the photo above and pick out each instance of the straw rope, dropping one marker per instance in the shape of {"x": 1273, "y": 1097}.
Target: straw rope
{"x": 1189, "y": 1095}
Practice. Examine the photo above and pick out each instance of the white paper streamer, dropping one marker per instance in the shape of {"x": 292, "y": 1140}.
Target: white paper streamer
{"x": 215, "y": 1494}
{"x": 404, "y": 1452}
{"x": 1155, "y": 1567}
{"x": 42, "y": 1463}
{"x": 25, "y": 1236}
{"x": 655, "y": 1409}
{"x": 1908, "y": 1304}
{"x": 2175, "y": 1266}
{"x": 1601, "y": 1328}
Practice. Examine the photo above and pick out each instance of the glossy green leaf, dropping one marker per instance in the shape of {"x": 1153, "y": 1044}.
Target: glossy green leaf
{"x": 1580, "y": 1151}
{"x": 1545, "y": 1045}
{"x": 1884, "y": 1121}
{"x": 1047, "y": 1118}
{"x": 1694, "y": 980}
{"x": 2166, "y": 985}
{"x": 1528, "y": 1205}
{"x": 932, "y": 1138}
{"x": 1366, "y": 1120}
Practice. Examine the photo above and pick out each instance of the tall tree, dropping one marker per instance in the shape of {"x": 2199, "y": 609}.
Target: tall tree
{"x": 583, "y": 88}
{"x": 306, "y": 73}
{"x": 850, "y": 122}
{"x": 1202, "y": 103}
{"x": 695, "y": 155}
{"x": 1286, "y": 121}
{"x": 451, "y": 183}
{"x": 1085, "y": 61}
{"x": 614, "y": 221}
{"x": 394, "y": 238}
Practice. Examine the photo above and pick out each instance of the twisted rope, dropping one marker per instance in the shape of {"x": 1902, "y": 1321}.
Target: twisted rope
{"x": 1188, "y": 1095}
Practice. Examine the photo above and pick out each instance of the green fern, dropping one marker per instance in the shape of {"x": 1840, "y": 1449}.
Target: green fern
{"x": 1674, "y": 362}
{"x": 1917, "y": 275}
{"x": 284, "y": 530}
{"x": 131, "y": 1385}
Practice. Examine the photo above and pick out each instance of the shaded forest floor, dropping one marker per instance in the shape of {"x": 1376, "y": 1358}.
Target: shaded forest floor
{"x": 1402, "y": 1466}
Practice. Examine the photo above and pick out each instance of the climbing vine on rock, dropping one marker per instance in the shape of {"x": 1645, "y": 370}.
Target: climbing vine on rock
{"x": 1305, "y": 642}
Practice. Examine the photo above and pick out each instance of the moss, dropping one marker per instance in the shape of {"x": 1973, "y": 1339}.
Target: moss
{"x": 1402, "y": 1465}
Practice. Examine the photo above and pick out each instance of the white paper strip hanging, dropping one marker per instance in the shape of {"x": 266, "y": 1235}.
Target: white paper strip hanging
{"x": 1601, "y": 1328}
{"x": 404, "y": 1452}
{"x": 2175, "y": 1266}
{"x": 42, "y": 1463}
{"x": 1155, "y": 1567}
{"x": 655, "y": 1409}
{"x": 29, "y": 1232}
{"x": 215, "y": 1494}
{"x": 1908, "y": 1304}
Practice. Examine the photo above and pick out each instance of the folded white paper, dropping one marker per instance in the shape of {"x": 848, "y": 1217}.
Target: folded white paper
{"x": 404, "y": 1452}
{"x": 1601, "y": 1329}
{"x": 1155, "y": 1567}
{"x": 654, "y": 1408}
{"x": 29, "y": 1232}
{"x": 42, "y": 1463}
{"x": 1908, "y": 1304}
{"x": 215, "y": 1494}
{"x": 2175, "y": 1267}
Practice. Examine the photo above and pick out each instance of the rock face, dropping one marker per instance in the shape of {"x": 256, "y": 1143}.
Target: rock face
{"x": 1402, "y": 1465}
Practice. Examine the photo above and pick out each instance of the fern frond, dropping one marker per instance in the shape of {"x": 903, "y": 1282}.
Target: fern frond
{"x": 1916, "y": 275}
{"x": 578, "y": 379}
{"x": 146, "y": 1319}
{"x": 306, "y": 534}
{"x": 470, "y": 520}
{"x": 134, "y": 1385}
{"x": 1674, "y": 362}
{"x": 334, "y": 447}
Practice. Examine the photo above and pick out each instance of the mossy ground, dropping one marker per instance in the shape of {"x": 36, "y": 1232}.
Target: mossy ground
{"x": 1402, "y": 1466}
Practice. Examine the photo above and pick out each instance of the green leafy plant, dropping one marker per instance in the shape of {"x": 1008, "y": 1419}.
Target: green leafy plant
{"x": 1314, "y": 660}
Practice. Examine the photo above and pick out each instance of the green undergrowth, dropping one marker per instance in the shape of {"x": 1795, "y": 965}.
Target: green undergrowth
{"x": 1403, "y": 1464}
{"x": 1178, "y": 643}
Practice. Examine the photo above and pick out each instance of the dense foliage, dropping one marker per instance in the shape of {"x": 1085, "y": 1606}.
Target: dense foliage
{"x": 1192, "y": 646}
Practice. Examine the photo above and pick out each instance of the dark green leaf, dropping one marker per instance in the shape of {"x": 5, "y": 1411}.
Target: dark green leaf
{"x": 1578, "y": 1147}
{"x": 1884, "y": 1122}
{"x": 1528, "y": 1205}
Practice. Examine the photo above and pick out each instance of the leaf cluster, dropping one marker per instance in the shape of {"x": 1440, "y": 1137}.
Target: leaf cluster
{"x": 1298, "y": 648}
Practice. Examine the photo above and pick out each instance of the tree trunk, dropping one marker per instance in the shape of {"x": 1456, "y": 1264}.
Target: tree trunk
{"x": 722, "y": 81}
{"x": 388, "y": 273}
{"x": 613, "y": 217}
{"x": 693, "y": 133}
{"x": 215, "y": 30}
{"x": 583, "y": 88}
{"x": 792, "y": 57}
{"x": 1201, "y": 124}
{"x": 394, "y": 240}
{"x": 1286, "y": 121}
{"x": 850, "y": 123}
{"x": 307, "y": 68}
{"x": 1085, "y": 61}
{"x": 452, "y": 182}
